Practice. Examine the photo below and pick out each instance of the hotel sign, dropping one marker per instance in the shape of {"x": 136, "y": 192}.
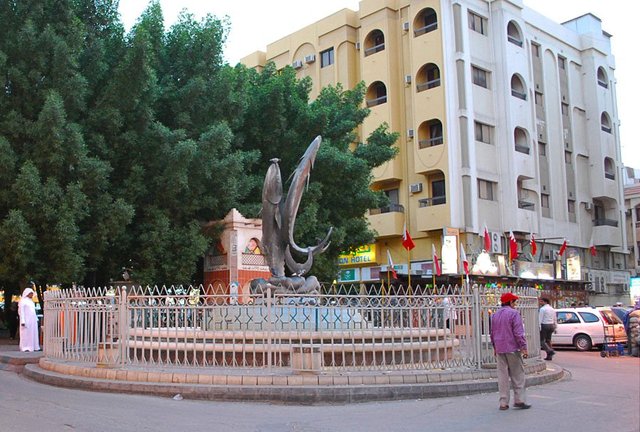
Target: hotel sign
{"x": 364, "y": 255}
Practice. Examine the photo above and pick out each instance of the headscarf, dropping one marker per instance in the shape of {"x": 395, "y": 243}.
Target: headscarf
{"x": 26, "y": 292}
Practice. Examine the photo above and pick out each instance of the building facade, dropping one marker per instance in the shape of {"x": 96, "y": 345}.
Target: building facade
{"x": 507, "y": 120}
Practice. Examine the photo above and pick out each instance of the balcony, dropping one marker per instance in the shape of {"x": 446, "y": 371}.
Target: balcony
{"x": 526, "y": 205}
{"x": 387, "y": 221}
{"x": 607, "y": 235}
{"x": 605, "y": 222}
{"x": 430, "y": 142}
{"x": 431, "y": 216}
{"x": 522, "y": 149}
{"x": 428, "y": 202}
{"x": 377, "y": 101}
{"x": 373, "y": 49}
{"x": 426, "y": 29}
{"x": 519, "y": 95}
{"x": 428, "y": 85}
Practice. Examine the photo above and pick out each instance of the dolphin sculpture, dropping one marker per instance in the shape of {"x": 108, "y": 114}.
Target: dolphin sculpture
{"x": 279, "y": 217}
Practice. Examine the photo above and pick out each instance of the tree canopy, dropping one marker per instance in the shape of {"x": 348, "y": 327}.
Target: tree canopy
{"x": 116, "y": 147}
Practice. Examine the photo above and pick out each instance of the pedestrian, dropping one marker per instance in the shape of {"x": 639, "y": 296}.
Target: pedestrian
{"x": 510, "y": 348}
{"x": 548, "y": 324}
{"x": 632, "y": 327}
{"x": 12, "y": 319}
{"x": 28, "y": 322}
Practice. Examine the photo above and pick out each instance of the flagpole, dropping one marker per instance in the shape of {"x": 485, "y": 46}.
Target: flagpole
{"x": 409, "y": 269}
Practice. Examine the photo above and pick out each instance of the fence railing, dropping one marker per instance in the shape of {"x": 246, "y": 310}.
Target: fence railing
{"x": 344, "y": 328}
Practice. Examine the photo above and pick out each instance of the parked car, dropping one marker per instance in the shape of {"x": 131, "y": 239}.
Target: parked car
{"x": 584, "y": 327}
{"x": 621, "y": 311}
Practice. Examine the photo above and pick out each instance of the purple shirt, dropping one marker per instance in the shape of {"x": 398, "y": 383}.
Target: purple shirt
{"x": 507, "y": 331}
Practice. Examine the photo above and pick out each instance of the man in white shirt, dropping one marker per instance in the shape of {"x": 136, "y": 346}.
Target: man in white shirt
{"x": 548, "y": 324}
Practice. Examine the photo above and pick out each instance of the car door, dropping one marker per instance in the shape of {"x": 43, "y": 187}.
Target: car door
{"x": 593, "y": 326}
{"x": 568, "y": 323}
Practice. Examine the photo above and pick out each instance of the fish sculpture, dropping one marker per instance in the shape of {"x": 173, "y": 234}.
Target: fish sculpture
{"x": 278, "y": 224}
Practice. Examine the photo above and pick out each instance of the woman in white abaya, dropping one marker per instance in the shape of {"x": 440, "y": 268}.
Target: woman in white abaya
{"x": 28, "y": 322}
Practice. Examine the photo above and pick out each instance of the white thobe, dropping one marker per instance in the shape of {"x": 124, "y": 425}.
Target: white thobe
{"x": 28, "y": 325}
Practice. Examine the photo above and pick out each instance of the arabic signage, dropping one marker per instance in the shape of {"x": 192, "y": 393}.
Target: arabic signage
{"x": 364, "y": 255}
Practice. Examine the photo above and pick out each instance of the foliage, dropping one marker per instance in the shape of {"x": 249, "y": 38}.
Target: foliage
{"x": 116, "y": 148}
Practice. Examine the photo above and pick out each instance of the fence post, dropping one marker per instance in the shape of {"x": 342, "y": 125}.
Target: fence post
{"x": 269, "y": 329}
{"x": 477, "y": 325}
{"x": 123, "y": 326}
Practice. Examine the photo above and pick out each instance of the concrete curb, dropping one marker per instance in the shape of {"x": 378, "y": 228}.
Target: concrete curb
{"x": 296, "y": 394}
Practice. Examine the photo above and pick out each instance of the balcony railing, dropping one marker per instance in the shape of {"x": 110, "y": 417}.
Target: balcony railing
{"x": 391, "y": 208}
{"x": 522, "y": 149}
{"x": 514, "y": 40}
{"x": 436, "y": 200}
{"x": 426, "y": 29}
{"x": 518, "y": 94}
{"x": 603, "y": 84}
{"x": 606, "y": 129}
{"x": 430, "y": 142}
{"x": 428, "y": 84}
{"x": 610, "y": 176}
{"x": 605, "y": 222}
{"x": 374, "y": 49}
{"x": 526, "y": 205}
{"x": 377, "y": 101}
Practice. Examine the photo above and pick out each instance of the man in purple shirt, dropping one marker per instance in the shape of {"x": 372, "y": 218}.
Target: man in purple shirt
{"x": 510, "y": 347}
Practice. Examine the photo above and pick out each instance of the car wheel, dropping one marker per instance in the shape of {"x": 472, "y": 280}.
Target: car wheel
{"x": 582, "y": 343}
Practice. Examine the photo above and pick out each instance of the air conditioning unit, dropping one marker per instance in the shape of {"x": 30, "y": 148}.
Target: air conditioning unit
{"x": 407, "y": 79}
{"x": 415, "y": 188}
{"x": 297, "y": 64}
{"x": 358, "y": 46}
{"x": 405, "y": 26}
{"x": 496, "y": 242}
{"x": 310, "y": 58}
{"x": 410, "y": 133}
{"x": 588, "y": 206}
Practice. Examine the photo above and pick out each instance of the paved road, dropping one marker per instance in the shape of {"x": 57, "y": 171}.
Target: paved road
{"x": 602, "y": 394}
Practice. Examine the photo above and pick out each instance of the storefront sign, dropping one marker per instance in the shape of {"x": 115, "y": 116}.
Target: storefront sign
{"x": 534, "y": 270}
{"x": 349, "y": 275}
{"x": 364, "y": 255}
{"x": 573, "y": 268}
{"x": 450, "y": 254}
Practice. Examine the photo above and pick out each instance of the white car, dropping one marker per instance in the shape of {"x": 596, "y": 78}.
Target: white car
{"x": 584, "y": 328}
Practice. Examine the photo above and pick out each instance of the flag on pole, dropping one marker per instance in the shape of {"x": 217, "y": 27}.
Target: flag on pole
{"x": 592, "y": 250}
{"x": 463, "y": 258}
{"x": 487, "y": 239}
{"x": 534, "y": 246}
{"x": 513, "y": 246}
{"x": 436, "y": 261}
{"x": 407, "y": 241}
{"x": 563, "y": 247}
{"x": 390, "y": 264}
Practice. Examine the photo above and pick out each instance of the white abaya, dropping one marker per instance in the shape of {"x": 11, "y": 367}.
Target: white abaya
{"x": 28, "y": 322}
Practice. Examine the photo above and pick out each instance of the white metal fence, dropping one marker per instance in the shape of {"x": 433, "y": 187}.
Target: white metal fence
{"x": 176, "y": 326}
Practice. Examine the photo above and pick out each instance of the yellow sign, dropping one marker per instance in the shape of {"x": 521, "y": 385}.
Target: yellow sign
{"x": 360, "y": 257}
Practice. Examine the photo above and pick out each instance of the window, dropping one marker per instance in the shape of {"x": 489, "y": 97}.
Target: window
{"x": 483, "y": 133}
{"x": 327, "y": 58}
{"x": 605, "y": 122}
{"x": 374, "y": 43}
{"x": 520, "y": 140}
{"x": 571, "y": 206}
{"x": 542, "y": 149}
{"x": 376, "y": 94}
{"x": 426, "y": 21}
{"x": 535, "y": 50}
{"x": 513, "y": 34}
{"x": 538, "y": 98}
{"x": 517, "y": 88}
{"x": 438, "y": 194}
{"x": 544, "y": 200}
{"x": 568, "y": 318}
{"x": 567, "y": 158}
{"x": 428, "y": 77}
{"x": 479, "y": 77}
{"x": 602, "y": 78}
{"x": 564, "y": 109}
{"x": 609, "y": 169}
{"x": 562, "y": 63}
{"x": 477, "y": 23}
{"x": 588, "y": 317}
{"x": 485, "y": 190}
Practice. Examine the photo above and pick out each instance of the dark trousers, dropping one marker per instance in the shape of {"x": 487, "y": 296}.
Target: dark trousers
{"x": 546, "y": 331}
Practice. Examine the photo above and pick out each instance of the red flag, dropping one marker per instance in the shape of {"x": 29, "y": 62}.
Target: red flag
{"x": 592, "y": 250}
{"x": 563, "y": 247}
{"x": 487, "y": 239}
{"x": 407, "y": 241}
{"x": 463, "y": 258}
{"x": 390, "y": 264}
{"x": 513, "y": 246}
{"x": 436, "y": 261}
{"x": 534, "y": 246}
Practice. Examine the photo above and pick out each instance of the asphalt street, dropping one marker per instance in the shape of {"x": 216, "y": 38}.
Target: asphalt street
{"x": 600, "y": 394}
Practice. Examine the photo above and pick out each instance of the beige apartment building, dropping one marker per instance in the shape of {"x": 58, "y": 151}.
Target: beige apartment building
{"x": 507, "y": 120}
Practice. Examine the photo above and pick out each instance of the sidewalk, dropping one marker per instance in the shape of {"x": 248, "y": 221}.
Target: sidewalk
{"x": 262, "y": 384}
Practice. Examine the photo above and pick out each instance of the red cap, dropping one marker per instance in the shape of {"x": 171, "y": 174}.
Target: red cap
{"x": 508, "y": 298}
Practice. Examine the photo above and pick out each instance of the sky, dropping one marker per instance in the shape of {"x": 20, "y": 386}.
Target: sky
{"x": 256, "y": 23}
